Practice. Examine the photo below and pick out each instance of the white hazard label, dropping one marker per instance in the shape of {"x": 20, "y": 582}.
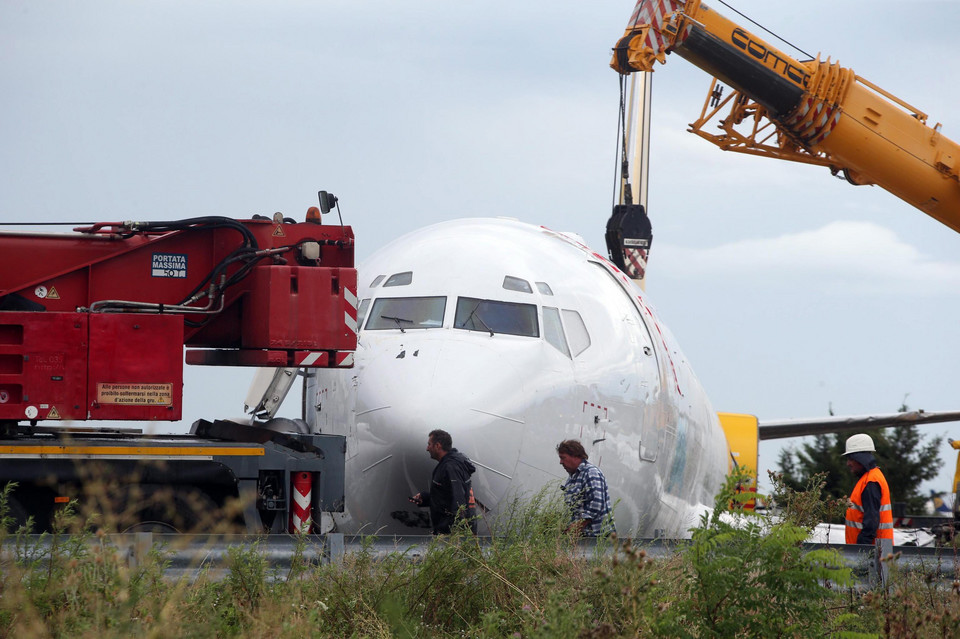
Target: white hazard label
{"x": 169, "y": 265}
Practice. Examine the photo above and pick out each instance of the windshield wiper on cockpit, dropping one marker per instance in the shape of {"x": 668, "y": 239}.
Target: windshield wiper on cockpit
{"x": 479, "y": 319}
{"x": 397, "y": 320}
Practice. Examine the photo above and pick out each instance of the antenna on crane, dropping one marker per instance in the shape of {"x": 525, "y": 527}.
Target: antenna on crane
{"x": 629, "y": 233}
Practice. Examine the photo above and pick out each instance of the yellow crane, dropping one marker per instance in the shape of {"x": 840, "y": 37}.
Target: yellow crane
{"x": 812, "y": 111}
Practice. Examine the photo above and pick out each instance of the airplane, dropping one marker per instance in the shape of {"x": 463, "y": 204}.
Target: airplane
{"x": 513, "y": 337}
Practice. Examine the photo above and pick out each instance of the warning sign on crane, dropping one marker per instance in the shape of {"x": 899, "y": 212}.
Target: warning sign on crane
{"x": 143, "y": 394}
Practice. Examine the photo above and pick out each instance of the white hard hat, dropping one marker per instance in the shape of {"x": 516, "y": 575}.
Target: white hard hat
{"x": 860, "y": 443}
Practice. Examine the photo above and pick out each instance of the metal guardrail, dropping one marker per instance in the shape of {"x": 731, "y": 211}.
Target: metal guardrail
{"x": 190, "y": 555}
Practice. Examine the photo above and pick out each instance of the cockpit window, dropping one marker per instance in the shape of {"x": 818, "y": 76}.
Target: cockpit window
{"x": 406, "y": 312}
{"x": 362, "y": 311}
{"x": 544, "y": 288}
{"x": 553, "y": 330}
{"x": 399, "y": 279}
{"x": 512, "y": 283}
{"x": 492, "y": 316}
{"x": 377, "y": 280}
{"x": 576, "y": 332}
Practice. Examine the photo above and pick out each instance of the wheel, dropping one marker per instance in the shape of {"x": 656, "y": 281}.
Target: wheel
{"x": 152, "y": 527}
{"x": 172, "y": 510}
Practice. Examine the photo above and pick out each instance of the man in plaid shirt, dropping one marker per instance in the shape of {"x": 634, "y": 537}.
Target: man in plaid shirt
{"x": 585, "y": 492}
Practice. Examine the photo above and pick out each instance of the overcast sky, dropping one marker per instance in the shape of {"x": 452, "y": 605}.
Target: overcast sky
{"x": 789, "y": 290}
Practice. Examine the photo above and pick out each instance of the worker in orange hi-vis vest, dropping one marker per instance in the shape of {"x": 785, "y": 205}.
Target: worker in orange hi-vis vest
{"x": 869, "y": 513}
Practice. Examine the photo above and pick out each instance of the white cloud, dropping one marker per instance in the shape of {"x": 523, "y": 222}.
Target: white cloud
{"x": 844, "y": 256}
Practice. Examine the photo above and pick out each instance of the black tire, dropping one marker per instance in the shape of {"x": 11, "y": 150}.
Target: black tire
{"x": 151, "y": 527}
{"x": 173, "y": 510}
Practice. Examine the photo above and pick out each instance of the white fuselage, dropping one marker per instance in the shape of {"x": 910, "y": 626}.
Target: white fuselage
{"x": 576, "y": 352}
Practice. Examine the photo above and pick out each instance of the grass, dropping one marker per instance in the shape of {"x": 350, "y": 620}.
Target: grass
{"x": 727, "y": 581}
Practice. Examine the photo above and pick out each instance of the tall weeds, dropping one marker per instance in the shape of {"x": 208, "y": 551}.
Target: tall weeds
{"x": 738, "y": 576}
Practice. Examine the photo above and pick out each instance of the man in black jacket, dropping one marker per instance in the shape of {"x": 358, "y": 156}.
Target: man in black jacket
{"x": 450, "y": 497}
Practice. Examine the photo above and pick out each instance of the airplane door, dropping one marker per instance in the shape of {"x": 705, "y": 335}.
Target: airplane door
{"x": 652, "y": 413}
{"x": 649, "y": 397}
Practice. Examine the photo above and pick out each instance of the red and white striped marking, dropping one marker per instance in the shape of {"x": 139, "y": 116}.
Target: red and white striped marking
{"x": 300, "y": 516}
{"x": 310, "y": 358}
{"x": 636, "y": 262}
{"x": 350, "y": 312}
{"x": 654, "y": 12}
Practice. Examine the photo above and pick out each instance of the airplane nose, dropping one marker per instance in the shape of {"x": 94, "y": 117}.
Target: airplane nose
{"x": 465, "y": 387}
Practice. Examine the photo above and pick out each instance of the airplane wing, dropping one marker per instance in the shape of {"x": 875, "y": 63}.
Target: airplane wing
{"x": 781, "y": 428}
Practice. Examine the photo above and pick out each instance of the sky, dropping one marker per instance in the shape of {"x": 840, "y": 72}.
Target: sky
{"x": 790, "y": 291}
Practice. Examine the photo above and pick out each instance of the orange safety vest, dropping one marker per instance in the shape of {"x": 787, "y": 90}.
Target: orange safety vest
{"x": 854, "y": 515}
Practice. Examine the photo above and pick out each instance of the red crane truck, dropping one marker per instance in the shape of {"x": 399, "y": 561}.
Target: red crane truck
{"x": 93, "y": 326}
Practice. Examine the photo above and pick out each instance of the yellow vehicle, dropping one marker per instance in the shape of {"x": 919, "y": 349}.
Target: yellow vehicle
{"x": 811, "y": 111}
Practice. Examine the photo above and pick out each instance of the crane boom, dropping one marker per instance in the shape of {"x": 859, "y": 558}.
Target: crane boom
{"x": 812, "y": 111}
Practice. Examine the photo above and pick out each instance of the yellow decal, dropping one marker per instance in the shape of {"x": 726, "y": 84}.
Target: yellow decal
{"x": 278, "y": 231}
{"x": 52, "y": 294}
{"x": 135, "y": 394}
{"x": 54, "y": 413}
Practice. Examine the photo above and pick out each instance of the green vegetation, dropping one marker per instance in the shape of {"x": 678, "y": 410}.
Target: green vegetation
{"x": 739, "y": 576}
